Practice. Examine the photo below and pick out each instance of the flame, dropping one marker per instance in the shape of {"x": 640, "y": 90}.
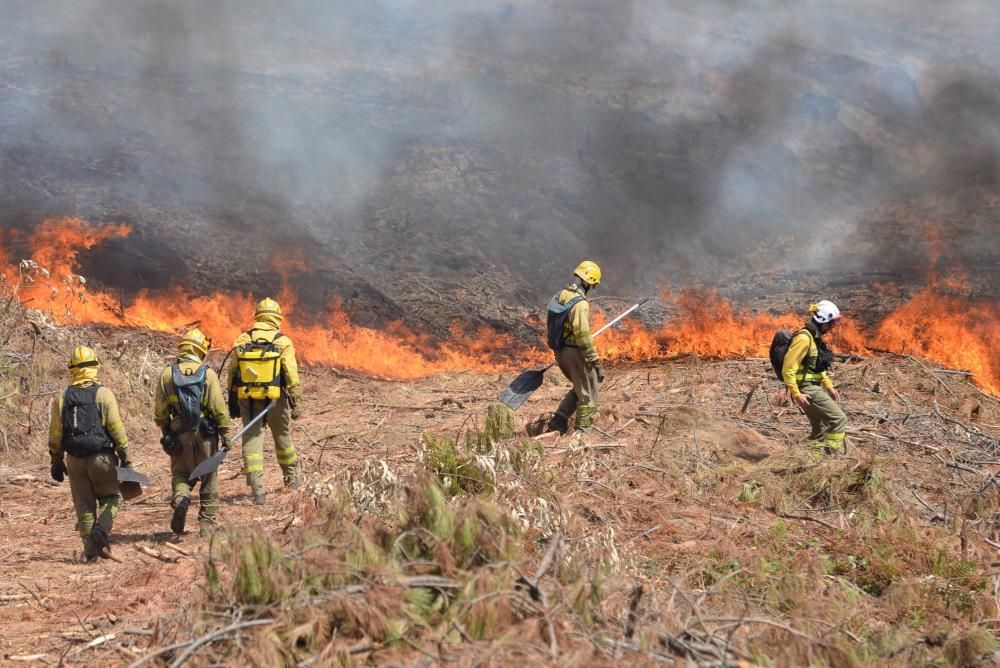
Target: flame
{"x": 50, "y": 284}
{"x": 953, "y": 330}
{"x": 706, "y": 324}
{"x": 937, "y": 323}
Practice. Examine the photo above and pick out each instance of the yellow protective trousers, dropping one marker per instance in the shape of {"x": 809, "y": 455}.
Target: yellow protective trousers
{"x": 828, "y": 420}
{"x": 93, "y": 482}
{"x": 279, "y": 421}
{"x": 583, "y": 397}
{"x": 194, "y": 449}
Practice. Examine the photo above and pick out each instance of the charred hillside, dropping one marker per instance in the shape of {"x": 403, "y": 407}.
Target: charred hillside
{"x": 399, "y": 149}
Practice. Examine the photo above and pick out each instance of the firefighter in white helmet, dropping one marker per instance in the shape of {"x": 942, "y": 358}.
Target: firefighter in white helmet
{"x": 804, "y": 372}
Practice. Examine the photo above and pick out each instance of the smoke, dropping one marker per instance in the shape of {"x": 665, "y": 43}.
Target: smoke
{"x": 395, "y": 139}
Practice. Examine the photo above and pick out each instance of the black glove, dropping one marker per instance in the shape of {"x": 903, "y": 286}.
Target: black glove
{"x": 599, "y": 370}
{"x": 58, "y": 470}
{"x": 169, "y": 443}
{"x": 123, "y": 459}
{"x": 225, "y": 442}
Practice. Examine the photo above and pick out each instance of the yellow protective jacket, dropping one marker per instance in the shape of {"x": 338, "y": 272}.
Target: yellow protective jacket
{"x": 802, "y": 354}
{"x": 576, "y": 330}
{"x": 166, "y": 405}
{"x": 290, "y": 368}
{"x": 107, "y": 407}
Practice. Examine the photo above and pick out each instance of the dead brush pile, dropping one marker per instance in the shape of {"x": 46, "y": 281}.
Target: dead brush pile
{"x": 714, "y": 550}
{"x": 345, "y": 585}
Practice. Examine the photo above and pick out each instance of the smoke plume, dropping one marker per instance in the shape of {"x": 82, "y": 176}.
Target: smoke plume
{"x": 402, "y": 139}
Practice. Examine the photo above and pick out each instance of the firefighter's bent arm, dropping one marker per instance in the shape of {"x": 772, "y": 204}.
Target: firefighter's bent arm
{"x": 56, "y": 430}
{"x": 161, "y": 404}
{"x": 797, "y": 351}
{"x": 580, "y": 319}
{"x": 290, "y": 366}
{"x": 108, "y": 407}
{"x": 214, "y": 403}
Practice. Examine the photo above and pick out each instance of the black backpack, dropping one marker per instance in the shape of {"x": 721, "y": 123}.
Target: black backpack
{"x": 779, "y": 348}
{"x": 83, "y": 431}
{"x": 556, "y": 318}
{"x": 189, "y": 391}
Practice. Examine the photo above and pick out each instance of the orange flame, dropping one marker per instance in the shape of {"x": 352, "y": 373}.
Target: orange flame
{"x": 950, "y": 330}
{"x": 329, "y": 339}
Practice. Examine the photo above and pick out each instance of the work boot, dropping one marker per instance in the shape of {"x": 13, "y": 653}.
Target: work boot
{"x": 180, "y": 515}
{"x": 292, "y": 480}
{"x": 557, "y": 423}
{"x": 258, "y": 498}
{"x": 89, "y": 554}
{"x": 100, "y": 541}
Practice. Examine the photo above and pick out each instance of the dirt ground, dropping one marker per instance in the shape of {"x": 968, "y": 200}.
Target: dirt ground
{"x": 665, "y": 429}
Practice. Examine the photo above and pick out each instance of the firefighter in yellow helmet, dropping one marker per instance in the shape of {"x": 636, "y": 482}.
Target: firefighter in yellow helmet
{"x": 191, "y": 412}
{"x": 804, "y": 371}
{"x": 569, "y": 336}
{"x": 85, "y": 425}
{"x": 265, "y": 372}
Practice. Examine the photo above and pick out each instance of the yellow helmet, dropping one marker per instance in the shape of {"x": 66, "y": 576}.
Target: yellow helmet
{"x": 589, "y": 273}
{"x": 195, "y": 341}
{"x": 83, "y": 356}
{"x": 268, "y": 306}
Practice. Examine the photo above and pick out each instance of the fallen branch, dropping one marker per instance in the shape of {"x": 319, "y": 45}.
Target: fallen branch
{"x": 633, "y": 607}
{"x": 766, "y": 622}
{"x": 937, "y": 515}
{"x": 211, "y": 637}
{"x": 177, "y": 548}
{"x": 193, "y": 645}
{"x": 746, "y": 402}
{"x": 149, "y": 552}
{"x": 890, "y": 437}
{"x": 807, "y": 518}
{"x": 94, "y": 643}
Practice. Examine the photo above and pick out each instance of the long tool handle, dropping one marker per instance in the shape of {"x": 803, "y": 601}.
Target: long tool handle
{"x": 631, "y": 308}
{"x": 257, "y": 418}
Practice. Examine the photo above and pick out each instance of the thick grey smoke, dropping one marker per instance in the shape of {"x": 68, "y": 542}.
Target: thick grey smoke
{"x": 437, "y": 140}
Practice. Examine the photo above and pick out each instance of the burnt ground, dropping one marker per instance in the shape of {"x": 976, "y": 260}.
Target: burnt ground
{"x": 880, "y": 557}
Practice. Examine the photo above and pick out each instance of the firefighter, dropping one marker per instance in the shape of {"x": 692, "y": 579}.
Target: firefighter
{"x": 804, "y": 372}
{"x": 191, "y": 412}
{"x": 86, "y": 425}
{"x": 568, "y": 325}
{"x": 265, "y": 372}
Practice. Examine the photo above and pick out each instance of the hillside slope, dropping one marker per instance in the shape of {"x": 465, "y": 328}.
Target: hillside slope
{"x": 685, "y": 528}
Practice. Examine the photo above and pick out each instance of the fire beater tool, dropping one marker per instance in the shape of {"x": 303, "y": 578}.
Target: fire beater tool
{"x": 528, "y": 381}
{"x": 130, "y": 482}
{"x": 211, "y": 464}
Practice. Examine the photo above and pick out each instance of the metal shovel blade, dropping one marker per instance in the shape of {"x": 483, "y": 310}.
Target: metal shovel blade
{"x": 207, "y": 466}
{"x": 521, "y": 388}
{"x": 211, "y": 465}
{"x": 130, "y": 475}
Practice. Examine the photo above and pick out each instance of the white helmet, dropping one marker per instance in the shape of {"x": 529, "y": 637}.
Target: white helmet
{"x": 824, "y": 312}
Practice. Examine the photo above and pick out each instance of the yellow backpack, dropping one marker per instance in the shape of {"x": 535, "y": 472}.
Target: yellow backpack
{"x": 259, "y": 363}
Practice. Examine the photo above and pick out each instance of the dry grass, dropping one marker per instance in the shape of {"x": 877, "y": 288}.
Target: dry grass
{"x": 472, "y": 542}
